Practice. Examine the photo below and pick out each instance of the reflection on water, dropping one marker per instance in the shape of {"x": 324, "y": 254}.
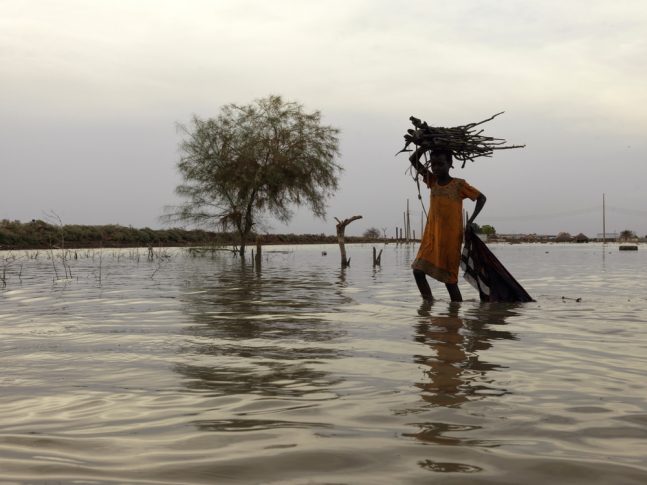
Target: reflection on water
{"x": 207, "y": 370}
{"x": 259, "y": 335}
{"x": 456, "y": 372}
{"x": 445, "y": 467}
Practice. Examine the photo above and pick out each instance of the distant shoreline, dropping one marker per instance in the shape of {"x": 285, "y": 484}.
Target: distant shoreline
{"x": 273, "y": 240}
{"x": 277, "y": 240}
{"x": 40, "y": 235}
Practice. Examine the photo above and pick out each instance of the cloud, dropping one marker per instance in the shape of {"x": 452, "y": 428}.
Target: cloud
{"x": 570, "y": 76}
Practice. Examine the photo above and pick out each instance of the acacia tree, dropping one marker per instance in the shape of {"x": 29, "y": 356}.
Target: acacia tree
{"x": 626, "y": 235}
{"x": 261, "y": 158}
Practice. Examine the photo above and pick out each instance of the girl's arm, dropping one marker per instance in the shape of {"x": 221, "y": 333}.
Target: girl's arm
{"x": 415, "y": 160}
{"x": 480, "y": 202}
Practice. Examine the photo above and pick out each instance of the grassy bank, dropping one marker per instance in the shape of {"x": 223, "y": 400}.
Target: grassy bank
{"x": 42, "y": 235}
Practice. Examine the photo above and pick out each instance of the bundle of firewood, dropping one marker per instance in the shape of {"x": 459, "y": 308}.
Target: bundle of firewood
{"x": 463, "y": 142}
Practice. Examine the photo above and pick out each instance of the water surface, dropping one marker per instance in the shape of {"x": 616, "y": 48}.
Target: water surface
{"x": 200, "y": 369}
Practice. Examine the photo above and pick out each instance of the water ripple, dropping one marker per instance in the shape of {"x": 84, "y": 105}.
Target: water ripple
{"x": 189, "y": 369}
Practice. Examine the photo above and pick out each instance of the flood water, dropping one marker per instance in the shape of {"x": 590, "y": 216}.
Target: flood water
{"x": 198, "y": 369}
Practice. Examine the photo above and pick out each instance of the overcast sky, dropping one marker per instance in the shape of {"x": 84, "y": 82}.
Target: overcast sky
{"x": 91, "y": 91}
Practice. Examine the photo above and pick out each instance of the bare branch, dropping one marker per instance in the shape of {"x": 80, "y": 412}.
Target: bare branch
{"x": 463, "y": 142}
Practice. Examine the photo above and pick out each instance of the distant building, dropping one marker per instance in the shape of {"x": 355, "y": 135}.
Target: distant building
{"x": 548, "y": 238}
{"x": 563, "y": 237}
{"x": 610, "y": 236}
{"x": 514, "y": 238}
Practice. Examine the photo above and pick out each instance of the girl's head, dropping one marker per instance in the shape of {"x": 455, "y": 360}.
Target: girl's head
{"x": 441, "y": 162}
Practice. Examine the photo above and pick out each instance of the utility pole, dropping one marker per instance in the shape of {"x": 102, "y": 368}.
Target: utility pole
{"x": 404, "y": 226}
{"x": 604, "y": 222}
{"x": 408, "y": 223}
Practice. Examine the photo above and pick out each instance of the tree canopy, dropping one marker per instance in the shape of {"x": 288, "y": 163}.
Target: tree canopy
{"x": 488, "y": 229}
{"x": 372, "y": 233}
{"x": 262, "y": 158}
{"x": 627, "y": 235}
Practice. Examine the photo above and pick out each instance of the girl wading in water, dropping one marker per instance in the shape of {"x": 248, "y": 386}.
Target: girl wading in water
{"x": 439, "y": 255}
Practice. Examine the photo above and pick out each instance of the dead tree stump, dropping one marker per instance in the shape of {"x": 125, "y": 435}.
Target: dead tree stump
{"x": 377, "y": 258}
{"x": 341, "y": 227}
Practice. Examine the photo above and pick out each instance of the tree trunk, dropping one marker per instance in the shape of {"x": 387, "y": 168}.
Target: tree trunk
{"x": 341, "y": 227}
{"x": 259, "y": 255}
{"x": 242, "y": 234}
{"x": 244, "y": 223}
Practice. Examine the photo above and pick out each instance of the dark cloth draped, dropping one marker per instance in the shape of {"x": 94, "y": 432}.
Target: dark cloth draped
{"x": 486, "y": 273}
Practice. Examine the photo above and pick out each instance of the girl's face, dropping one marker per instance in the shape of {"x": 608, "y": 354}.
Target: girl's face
{"x": 440, "y": 164}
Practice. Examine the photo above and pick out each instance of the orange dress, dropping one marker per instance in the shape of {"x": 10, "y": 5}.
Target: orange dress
{"x": 439, "y": 255}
